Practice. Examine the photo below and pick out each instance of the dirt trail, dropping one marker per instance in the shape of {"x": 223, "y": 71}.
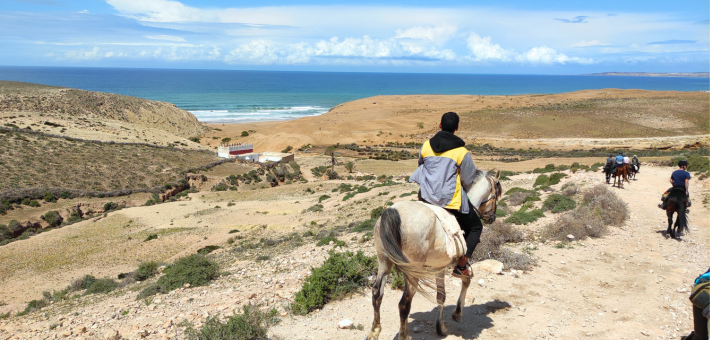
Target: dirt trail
{"x": 631, "y": 284}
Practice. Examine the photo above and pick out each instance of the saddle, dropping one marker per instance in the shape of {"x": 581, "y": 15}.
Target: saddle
{"x": 455, "y": 242}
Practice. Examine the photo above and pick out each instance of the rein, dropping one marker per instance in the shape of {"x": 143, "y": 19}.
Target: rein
{"x": 493, "y": 196}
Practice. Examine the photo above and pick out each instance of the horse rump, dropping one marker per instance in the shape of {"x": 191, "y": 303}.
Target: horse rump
{"x": 390, "y": 232}
{"x": 677, "y": 200}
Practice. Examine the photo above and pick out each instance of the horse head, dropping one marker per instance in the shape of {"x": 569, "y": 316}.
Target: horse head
{"x": 484, "y": 195}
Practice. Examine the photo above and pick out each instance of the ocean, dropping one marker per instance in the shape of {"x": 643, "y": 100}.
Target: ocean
{"x": 228, "y": 96}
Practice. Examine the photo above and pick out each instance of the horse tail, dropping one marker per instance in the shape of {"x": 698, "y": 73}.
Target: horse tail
{"x": 682, "y": 218}
{"x": 391, "y": 240}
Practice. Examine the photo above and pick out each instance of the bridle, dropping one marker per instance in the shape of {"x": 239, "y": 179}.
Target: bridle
{"x": 489, "y": 215}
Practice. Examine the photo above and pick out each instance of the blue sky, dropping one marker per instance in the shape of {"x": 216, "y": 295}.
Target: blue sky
{"x": 521, "y": 37}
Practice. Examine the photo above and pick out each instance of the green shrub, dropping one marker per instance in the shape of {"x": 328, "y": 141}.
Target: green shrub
{"x": 397, "y": 278}
{"x": 150, "y": 291}
{"x": 326, "y": 240}
{"x": 245, "y": 134}
{"x": 233, "y": 231}
{"x": 208, "y": 249}
{"x": 542, "y": 180}
{"x": 518, "y": 189}
{"x": 146, "y": 271}
{"x": 558, "y": 203}
{"x": 151, "y": 237}
{"x": 261, "y": 258}
{"x": 226, "y": 140}
{"x": 195, "y": 269}
{"x": 315, "y": 208}
{"x": 375, "y": 213}
{"x": 52, "y": 218}
{"x": 49, "y": 197}
{"x": 33, "y": 203}
{"x": 83, "y": 283}
{"x": 523, "y": 216}
{"x": 195, "y": 139}
{"x": 340, "y": 274}
{"x": 101, "y": 286}
{"x": 251, "y": 324}
{"x": 547, "y": 168}
{"x": 556, "y": 177}
{"x": 504, "y": 175}
{"x": 287, "y": 149}
{"x": 221, "y": 186}
{"x": 34, "y": 305}
{"x": 365, "y": 225}
{"x": 296, "y": 168}
{"x": 323, "y": 198}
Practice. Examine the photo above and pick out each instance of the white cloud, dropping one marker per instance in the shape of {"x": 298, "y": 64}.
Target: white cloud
{"x": 84, "y": 12}
{"x": 83, "y": 54}
{"x": 108, "y": 55}
{"x": 165, "y": 37}
{"x": 482, "y": 49}
{"x": 438, "y": 35}
{"x": 589, "y": 43}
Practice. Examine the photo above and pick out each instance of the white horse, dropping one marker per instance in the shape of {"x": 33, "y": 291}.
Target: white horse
{"x": 413, "y": 240}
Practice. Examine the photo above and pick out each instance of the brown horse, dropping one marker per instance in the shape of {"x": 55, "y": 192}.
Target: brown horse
{"x": 622, "y": 174}
{"x": 676, "y": 203}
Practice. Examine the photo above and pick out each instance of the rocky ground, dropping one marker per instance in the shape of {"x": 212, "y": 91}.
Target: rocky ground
{"x": 630, "y": 284}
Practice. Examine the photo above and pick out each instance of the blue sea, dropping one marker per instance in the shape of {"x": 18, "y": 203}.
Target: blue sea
{"x": 228, "y": 96}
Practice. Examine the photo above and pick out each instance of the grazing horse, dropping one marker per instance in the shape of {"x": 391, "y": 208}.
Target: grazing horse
{"x": 413, "y": 240}
{"x": 676, "y": 203}
{"x": 622, "y": 174}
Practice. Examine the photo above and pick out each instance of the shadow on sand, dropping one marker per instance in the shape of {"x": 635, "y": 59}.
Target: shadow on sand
{"x": 474, "y": 320}
{"x": 665, "y": 234}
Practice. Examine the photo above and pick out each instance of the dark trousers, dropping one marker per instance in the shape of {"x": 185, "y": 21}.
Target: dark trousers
{"x": 471, "y": 226}
{"x": 701, "y": 325}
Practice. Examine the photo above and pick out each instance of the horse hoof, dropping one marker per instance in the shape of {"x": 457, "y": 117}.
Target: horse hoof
{"x": 441, "y": 329}
{"x": 456, "y": 317}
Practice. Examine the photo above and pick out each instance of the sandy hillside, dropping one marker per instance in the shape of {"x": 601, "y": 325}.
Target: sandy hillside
{"x": 95, "y": 115}
{"x": 582, "y": 119}
{"x": 629, "y": 284}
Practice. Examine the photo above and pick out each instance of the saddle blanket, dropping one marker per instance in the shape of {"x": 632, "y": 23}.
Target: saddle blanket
{"x": 455, "y": 242}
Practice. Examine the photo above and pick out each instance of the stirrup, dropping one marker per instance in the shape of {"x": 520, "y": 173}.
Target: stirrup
{"x": 465, "y": 274}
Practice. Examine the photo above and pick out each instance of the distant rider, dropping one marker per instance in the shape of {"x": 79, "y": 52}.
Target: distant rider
{"x": 445, "y": 167}
{"x": 680, "y": 179}
{"x": 609, "y": 162}
{"x": 619, "y": 162}
{"x": 627, "y": 160}
{"x": 636, "y": 163}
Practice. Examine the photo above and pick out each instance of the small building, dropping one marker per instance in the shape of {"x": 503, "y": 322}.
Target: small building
{"x": 250, "y": 157}
{"x": 276, "y": 157}
{"x": 233, "y": 150}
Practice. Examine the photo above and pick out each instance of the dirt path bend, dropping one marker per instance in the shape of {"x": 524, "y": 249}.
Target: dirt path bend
{"x": 630, "y": 284}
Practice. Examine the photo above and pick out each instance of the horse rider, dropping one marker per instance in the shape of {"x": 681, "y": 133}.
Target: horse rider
{"x": 609, "y": 162}
{"x": 627, "y": 160}
{"x": 619, "y": 161}
{"x": 680, "y": 180}
{"x": 636, "y": 163}
{"x": 445, "y": 167}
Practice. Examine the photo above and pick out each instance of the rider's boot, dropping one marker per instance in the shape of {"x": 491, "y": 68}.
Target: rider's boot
{"x": 462, "y": 272}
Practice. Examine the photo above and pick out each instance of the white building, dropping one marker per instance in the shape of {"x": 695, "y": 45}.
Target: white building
{"x": 233, "y": 150}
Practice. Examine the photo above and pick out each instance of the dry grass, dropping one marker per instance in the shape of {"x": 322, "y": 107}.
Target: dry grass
{"x": 492, "y": 246}
{"x": 35, "y": 161}
{"x": 600, "y": 208}
{"x": 594, "y": 118}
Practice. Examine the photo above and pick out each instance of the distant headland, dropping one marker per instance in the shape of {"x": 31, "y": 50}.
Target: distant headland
{"x": 653, "y": 74}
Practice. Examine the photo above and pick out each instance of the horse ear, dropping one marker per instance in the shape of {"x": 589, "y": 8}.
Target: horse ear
{"x": 497, "y": 174}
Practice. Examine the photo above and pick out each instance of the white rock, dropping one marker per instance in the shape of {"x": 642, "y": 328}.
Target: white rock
{"x": 490, "y": 266}
{"x": 345, "y": 324}
{"x": 570, "y": 237}
{"x": 482, "y": 282}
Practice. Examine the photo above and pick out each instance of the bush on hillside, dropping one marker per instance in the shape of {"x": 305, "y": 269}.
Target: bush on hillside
{"x": 195, "y": 269}
{"x": 251, "y": 324}
{"x": 52, "y": 218}
{"x": 558, "y": 203}
{"x": 525, "y": 215}
{"x": 146, "y": 271}
{"x": 492, "y": 242}
{"x": 340, "y": 275}
{"x": 600, "y": 208}
{"x": 100, "y": 286}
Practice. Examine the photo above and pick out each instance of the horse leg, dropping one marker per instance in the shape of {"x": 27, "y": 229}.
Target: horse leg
{"x": 670, "y": 224}
{"x": 440, "y": 299}
{"x": 378, "y": 292}
{"x": 456, "y": 315}
{"x": 405, "y": 305}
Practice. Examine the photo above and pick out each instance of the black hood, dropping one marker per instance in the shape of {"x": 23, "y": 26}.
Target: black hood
{"x": 445, "y": 141}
